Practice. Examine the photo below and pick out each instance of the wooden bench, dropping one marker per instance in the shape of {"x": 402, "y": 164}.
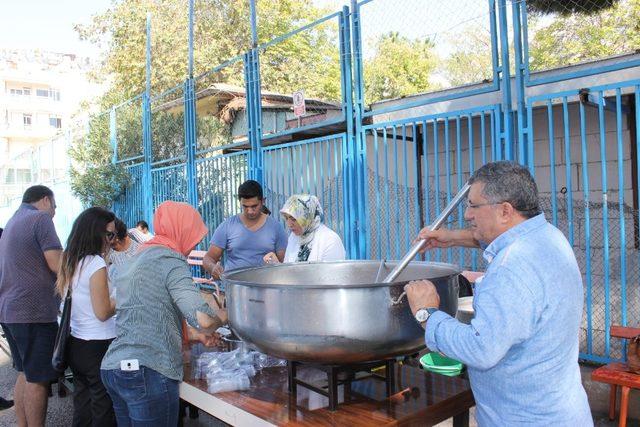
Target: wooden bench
{"x": 617, "y": 375}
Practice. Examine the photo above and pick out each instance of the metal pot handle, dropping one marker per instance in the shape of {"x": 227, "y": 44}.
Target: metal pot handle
{"x": 398, "y": 300}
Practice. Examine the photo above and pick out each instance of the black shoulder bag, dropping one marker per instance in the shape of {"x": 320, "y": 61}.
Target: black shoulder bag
{"x": 59, "y": 359}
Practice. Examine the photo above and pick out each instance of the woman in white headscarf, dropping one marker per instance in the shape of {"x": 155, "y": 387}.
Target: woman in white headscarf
{"x": 310, "y": 239}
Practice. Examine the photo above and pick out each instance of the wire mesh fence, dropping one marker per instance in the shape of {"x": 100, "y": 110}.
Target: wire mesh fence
{"x": 301, "y": 78}
{"x": 571, "y": 32}
{"x": 221, "y": 106}
{"x": 416, "y": 46}
{"x": 308, "y": 167}
{"x": 414, "y": 168}
{"x": 129, "y": 207}
{"x": 128, "y": 131}
{"x": 167, "y": 126}
{"x": 218, "y": 180}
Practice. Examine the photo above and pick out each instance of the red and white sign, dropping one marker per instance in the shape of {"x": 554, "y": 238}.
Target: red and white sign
{"x": 299, "y": 108}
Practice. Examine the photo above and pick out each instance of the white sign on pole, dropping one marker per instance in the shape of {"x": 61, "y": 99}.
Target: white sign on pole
{"x": 299, "y": 108}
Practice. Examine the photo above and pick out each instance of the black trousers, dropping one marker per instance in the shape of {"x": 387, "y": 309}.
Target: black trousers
{"x": 92, "y": 406}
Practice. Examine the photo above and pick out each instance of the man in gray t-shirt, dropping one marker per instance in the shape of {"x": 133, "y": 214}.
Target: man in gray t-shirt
{"x": 246, "y": 237}
{"x": 29, "y": 258}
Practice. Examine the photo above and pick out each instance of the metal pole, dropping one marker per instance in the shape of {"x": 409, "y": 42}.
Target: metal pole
{"x": 507, "y": 126}
{"x": 190, "y": 70}
{"x": 434, "y": 226}
{"x": 147, "y": 187}
{"x": 254, "y": 24}
{"x": 113, "y": 138}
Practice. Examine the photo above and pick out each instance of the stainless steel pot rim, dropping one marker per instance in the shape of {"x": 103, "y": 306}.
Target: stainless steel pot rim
{"x": 230, "y": 281}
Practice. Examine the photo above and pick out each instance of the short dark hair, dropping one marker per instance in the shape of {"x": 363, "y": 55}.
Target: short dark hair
{"x": 511, "y": 182}
{"x": 36, "y": 193}
{"x": 121, "y": 229}
{"x": 142, "y": 223}
{"x": 250, "y": 189}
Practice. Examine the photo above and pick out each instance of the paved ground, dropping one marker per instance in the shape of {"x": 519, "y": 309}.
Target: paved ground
{"x": 60, "y": 409}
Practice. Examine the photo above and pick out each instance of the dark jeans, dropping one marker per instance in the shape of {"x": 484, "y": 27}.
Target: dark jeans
{"x": 92, "y": 405}
{"x": 143, "y": 397}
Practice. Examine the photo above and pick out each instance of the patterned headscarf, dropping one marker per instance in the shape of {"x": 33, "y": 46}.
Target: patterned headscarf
{"x": 308, "y": 213}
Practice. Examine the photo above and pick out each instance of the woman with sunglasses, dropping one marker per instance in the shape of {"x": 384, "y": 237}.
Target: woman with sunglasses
{"x": 122, "y": 248}
{"x": 93, "y": 327}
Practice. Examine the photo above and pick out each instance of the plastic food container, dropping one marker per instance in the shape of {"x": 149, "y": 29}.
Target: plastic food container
{"x": 435, "y": 362}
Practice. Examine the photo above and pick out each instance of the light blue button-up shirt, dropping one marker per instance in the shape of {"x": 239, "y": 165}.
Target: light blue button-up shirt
{"x": 521, "y": 348}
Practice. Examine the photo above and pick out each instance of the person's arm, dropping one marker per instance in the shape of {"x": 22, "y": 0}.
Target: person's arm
{"x": 47, "y": 238}
{"x": 103, "y": 306}
{"x": 192, "y": 306}
{"x": 445, "y": 238}
{"x": 506, "y": 312}
{"x": 211, "y": 261}
{"x": 281, "y": 242}
{"x": 53, "y": 258}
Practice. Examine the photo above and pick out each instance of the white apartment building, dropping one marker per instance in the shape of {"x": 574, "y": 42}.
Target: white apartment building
{"x": 39, "y": 93}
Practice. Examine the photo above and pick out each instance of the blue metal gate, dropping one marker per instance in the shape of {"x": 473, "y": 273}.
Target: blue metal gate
{"x": 582, "y": 147}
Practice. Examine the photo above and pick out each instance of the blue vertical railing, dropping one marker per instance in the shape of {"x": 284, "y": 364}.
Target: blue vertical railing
{"x": 595, "y": 199}
{"x": 414, "y": 166}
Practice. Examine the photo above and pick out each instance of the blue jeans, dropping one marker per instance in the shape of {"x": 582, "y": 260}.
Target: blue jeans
{"x": 142, "y": 398}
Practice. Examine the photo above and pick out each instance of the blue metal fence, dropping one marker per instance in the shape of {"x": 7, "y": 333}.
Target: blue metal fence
{"x": 584, "y": 165}
{"x": 414, "y": 168}
{"x": 383, "y": 173}
{"x": 312, "y": 166}
{"x": 218, "y": 179}
{"x": 130, "y": 206}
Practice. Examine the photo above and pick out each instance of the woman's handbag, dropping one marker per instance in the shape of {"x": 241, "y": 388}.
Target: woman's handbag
{"x": 59, "y": 359}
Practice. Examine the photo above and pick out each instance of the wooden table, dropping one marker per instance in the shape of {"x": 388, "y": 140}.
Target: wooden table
{"x": 422, "y": 399}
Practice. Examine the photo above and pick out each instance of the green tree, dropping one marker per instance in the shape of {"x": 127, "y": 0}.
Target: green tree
{"x": 221, "y": 32}
{"x": 581, "y": 37}
{"x": 471, "y": 57}
{"x": 399, "y": 67}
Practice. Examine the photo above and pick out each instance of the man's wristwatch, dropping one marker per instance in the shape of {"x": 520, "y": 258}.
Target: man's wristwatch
{"x": 423, "y": 314}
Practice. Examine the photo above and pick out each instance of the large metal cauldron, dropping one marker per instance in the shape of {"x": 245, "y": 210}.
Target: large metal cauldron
{"x": 332, "y": 312}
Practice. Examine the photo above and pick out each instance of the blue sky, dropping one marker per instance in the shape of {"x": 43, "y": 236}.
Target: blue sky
{"x": 47, "y": 24}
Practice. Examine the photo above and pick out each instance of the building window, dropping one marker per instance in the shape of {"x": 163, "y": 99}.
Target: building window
{"x": 16, "y": 92}
{"x": 55, "y": 122}
{"x": 26, "y": 91}
{"x": 26, "y": 120}
{"x": 54, "y": 94}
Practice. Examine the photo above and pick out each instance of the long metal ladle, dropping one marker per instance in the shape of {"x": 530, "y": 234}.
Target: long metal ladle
{"x": 434, "y": 226}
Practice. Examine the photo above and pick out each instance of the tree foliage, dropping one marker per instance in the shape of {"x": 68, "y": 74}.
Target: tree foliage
{"x": 399, "y": 67}
{"x": 471, "y": 57}
{"x": 564, "y": 7}
{"x": 578, "y": 37}
{"x": 221, "y": 32}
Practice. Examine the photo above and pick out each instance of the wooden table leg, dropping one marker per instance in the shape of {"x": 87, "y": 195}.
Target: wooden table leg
{"x": 461, "y": 419}
{"x": 624, "y": 402}
{"x": 612, "y": 401}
